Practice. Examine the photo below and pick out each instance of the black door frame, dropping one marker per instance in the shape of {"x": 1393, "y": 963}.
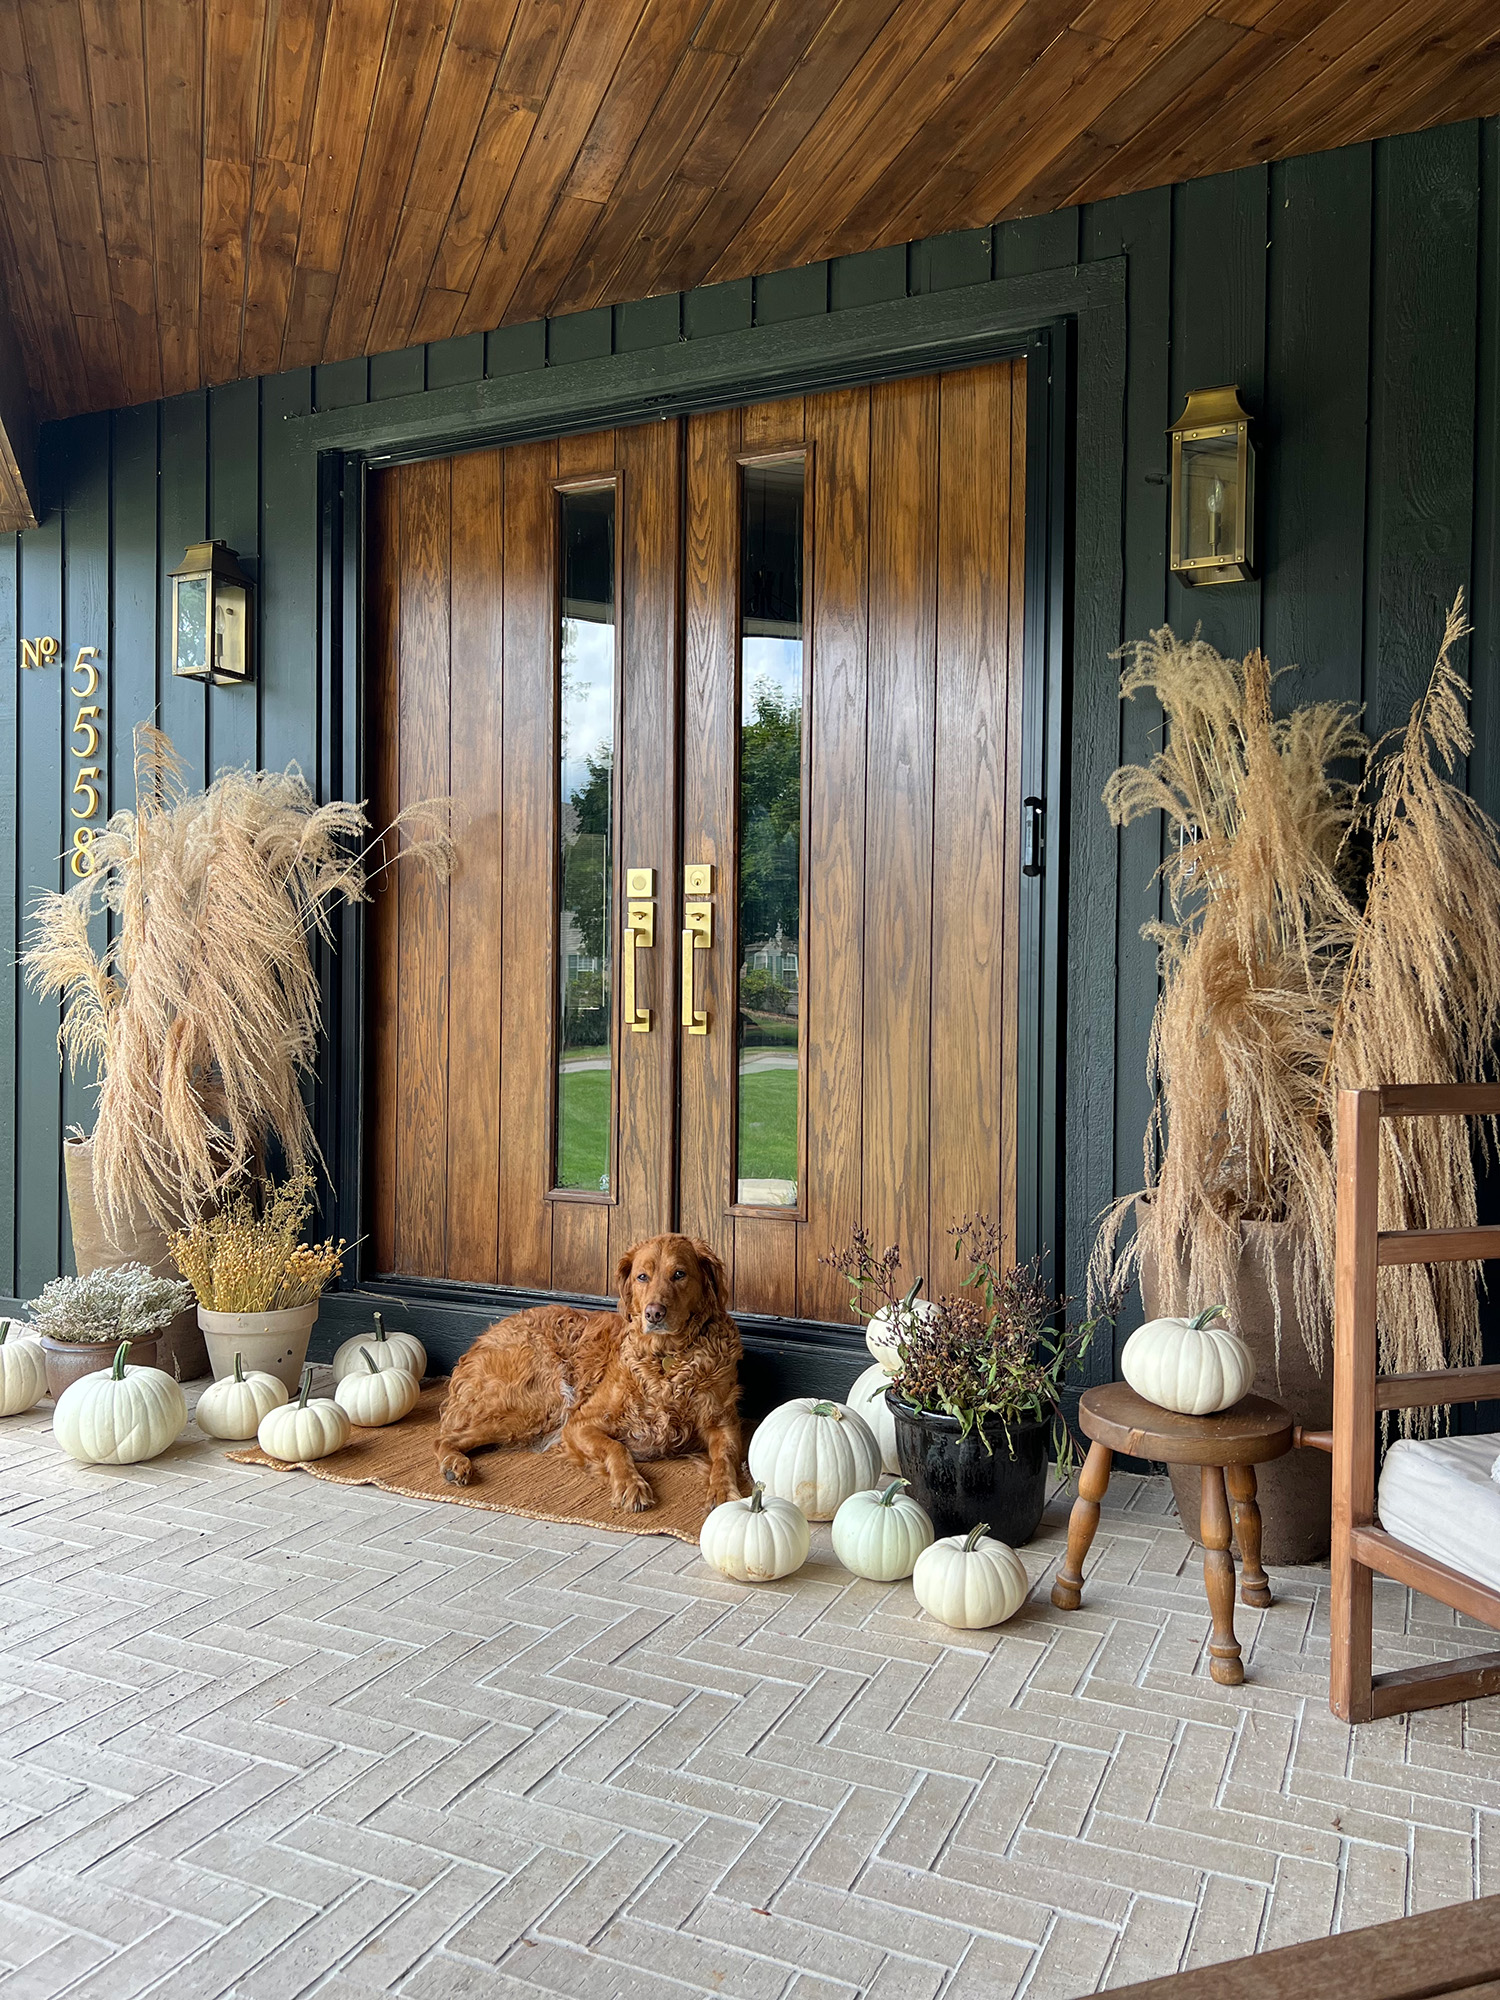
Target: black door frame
{"x": 1069, "y": 327}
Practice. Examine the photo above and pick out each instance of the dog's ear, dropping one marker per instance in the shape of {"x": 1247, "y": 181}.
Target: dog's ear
{"x": 714, "y": 1274}
{"x": 622, "y": 1281}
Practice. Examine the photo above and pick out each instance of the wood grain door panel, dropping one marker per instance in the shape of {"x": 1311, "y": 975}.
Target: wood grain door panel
{"x": 464, "y": 633}
{"x": 908, "y": 934}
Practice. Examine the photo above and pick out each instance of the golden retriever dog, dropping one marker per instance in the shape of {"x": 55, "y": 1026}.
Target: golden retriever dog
{"x": 655, "y": 1378}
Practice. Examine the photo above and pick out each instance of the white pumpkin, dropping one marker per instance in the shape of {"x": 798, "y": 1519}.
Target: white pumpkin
{"x": 893, "y": 1323}
{"x": 391, "y": 1350}
{"x": 814, "y": 1454}
{"x": 880, "y": 1535}
{"x": 755, "y": 1540}
{"x": 867, "y": 1399}
{"x": 119, "y": 1415}
{"x": 970, "y": 1581}
{"x": 23, "y": 1373}
{"x": 377, "y": 1396}
{"x": 305, "y": 1429}
{"x": 1188, "y": 1364}
{"x": 233, "y": 1406}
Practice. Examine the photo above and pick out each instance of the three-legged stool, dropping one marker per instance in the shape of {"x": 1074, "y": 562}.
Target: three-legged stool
{"x": 1228, "y": 1447}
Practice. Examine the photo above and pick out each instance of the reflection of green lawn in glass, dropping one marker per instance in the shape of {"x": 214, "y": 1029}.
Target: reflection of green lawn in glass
{"x": 583, "y": 1129}
{"x": 768, "y": 1125}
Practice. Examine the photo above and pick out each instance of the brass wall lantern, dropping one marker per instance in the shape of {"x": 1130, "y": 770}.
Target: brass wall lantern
{"x": 212, "y": 608}
{"x": 1213, "y": 489}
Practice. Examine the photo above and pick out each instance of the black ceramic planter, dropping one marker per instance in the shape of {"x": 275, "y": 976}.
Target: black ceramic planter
{"x": 960, "y": 1483}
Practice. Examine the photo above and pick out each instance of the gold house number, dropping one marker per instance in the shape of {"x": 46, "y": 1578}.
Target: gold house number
{"x": 86, "y": 736}
{"x": 88, "y": 779}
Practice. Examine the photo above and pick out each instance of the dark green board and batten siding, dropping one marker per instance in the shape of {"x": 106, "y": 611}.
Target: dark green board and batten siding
{"x": 1355, "y": 298}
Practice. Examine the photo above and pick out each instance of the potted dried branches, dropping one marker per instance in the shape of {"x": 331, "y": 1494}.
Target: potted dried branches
{"x": 1329, "y": 921}
{"x": 200, "y": 1017}
{"x": 82, "y": 1321}
{"x": 257, "y": 1283}
{"x": 977, "y": 1389}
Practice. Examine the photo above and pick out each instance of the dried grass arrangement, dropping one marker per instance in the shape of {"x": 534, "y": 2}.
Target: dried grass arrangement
{"x": 200, "y": 1016}
{"x": 245, "y": 1259}
{"x": 1322, "y": 933}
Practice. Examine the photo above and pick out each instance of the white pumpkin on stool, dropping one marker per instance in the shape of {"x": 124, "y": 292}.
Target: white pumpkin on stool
{"x": 1188, "y": 1365}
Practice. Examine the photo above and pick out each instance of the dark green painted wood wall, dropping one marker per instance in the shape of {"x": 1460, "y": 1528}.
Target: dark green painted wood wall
{"x": 1355, "y": 298}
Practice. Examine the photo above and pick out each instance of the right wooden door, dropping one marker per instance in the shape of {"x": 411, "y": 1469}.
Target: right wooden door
{"x": 851, "y": 726}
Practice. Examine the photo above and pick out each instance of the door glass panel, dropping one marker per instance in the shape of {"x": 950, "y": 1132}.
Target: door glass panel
{"x": 770, "y": 823}
{"x": 585, "y": 820}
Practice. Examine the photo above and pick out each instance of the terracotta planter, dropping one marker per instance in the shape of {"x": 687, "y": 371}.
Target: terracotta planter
{"x": 180, "y": 1344}
{"x": 1295, "y": 1491}
{"x": 960, "y": 1483}
{"x": 66, "y": 1360}
{"x": 273, "y": 1342}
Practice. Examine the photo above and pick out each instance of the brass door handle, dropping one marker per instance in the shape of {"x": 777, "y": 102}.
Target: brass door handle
{"x": 697, "y": 935}
{"x": 640, "y": 933}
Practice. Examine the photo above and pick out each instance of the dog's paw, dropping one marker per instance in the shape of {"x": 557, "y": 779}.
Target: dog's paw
{"x": 456, "y": 1468}
{"x": 722, "y": 1490}
{"x": 635, "y": 1496}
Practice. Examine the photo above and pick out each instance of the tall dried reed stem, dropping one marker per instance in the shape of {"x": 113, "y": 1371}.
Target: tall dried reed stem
{"x": 201, "y": 1015}
{"x": 1287, "y": 972}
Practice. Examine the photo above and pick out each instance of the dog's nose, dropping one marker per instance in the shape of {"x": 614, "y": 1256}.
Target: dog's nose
{"x": 655, "y": 1314}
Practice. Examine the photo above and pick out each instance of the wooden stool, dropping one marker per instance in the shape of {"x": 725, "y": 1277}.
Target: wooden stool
{"x": 1228, "y": 1446}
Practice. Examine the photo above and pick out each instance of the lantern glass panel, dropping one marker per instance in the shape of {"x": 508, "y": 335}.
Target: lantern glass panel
{"x": 1210, "y": 499}
{"x": 192, "y": 624}
{"x": 229, "y": 632}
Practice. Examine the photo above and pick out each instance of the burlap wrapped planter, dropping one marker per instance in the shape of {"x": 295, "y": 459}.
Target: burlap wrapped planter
{"x": 179, "y": 1347}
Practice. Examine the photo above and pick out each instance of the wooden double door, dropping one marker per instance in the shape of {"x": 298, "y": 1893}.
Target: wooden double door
{"x": 732, "y": 709}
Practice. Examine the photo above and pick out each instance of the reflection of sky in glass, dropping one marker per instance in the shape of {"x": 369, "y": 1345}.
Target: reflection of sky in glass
{"x": 588, "y": 703}
{"x": 778, "y": 661}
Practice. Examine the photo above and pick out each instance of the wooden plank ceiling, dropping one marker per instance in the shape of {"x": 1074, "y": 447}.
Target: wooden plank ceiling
{"x": 195, "y": 190}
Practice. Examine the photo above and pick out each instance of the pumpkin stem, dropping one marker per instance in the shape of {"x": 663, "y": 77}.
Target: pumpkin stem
{"x": 118, "y": 1371}
{"x": 239, "y": 1368}
{"x": 758, "y": 1498}
{"x": 306, "y": 1387}
{"x": 4, "y": 1330}
{"x": 370, "y": 1362}
{"x": 380, "y": 1326}
{"x": 979, "y": 1528}
{"x": 906, "y": 1302}
{"x": 890, "y": 1492}
{"x": 828, "y": 1410}
{"x": 1200, "y": 1320}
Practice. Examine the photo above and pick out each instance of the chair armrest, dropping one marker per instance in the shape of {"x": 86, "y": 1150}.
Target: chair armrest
{"x": 1442, "y": 1385}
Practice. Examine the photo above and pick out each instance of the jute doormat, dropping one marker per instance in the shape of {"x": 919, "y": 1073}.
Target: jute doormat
{"x": 541, "y": 1485}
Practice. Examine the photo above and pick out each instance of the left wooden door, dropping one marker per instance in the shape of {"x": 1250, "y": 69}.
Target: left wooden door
{"x": 522, "y": 659}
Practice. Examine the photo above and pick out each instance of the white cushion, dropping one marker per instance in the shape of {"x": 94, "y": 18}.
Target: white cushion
{"x": 1437, "y": 1496}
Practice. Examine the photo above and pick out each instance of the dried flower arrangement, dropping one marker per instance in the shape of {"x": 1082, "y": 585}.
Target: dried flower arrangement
{"x": 247, "y": 1260}
{"x": 201, "y": 1016}
{"x": 125, "y": 1302}
{"x": 995, "y": 1353}
{"x": 1321, "y": 934}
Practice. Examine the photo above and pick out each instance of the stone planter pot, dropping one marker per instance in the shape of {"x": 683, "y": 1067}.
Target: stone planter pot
{"x": 66, "y": 1360}
{"x": 960, "y": 1483}
{"x": 179, "y": 1345}
{"x": 1295, "y": 1492}
{"x": 274, "y": 1342}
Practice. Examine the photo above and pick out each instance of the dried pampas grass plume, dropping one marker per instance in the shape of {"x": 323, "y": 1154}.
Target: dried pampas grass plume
{"x": 1291, "y": 968}
{"x": 201, "y": 1015}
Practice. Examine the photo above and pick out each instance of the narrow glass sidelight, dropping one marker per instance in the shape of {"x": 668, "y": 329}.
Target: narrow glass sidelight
{"x": 586, "y": 714}
{"x": 772, "y": 672}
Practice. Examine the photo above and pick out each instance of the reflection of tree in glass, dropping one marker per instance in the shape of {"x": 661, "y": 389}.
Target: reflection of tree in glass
{"x": 770, "y": 816}
{"x": 586, "y": 854}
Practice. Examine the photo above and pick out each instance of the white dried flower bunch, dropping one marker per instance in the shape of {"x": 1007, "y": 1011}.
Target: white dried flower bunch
{"x": 105, "y": 1307}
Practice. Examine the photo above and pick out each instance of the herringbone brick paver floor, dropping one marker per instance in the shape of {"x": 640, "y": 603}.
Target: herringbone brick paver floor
{"x": 264, "y": 1736}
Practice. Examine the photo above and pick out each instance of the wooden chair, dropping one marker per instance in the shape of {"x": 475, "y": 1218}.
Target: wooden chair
{"x": 1361, "y": 1549}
